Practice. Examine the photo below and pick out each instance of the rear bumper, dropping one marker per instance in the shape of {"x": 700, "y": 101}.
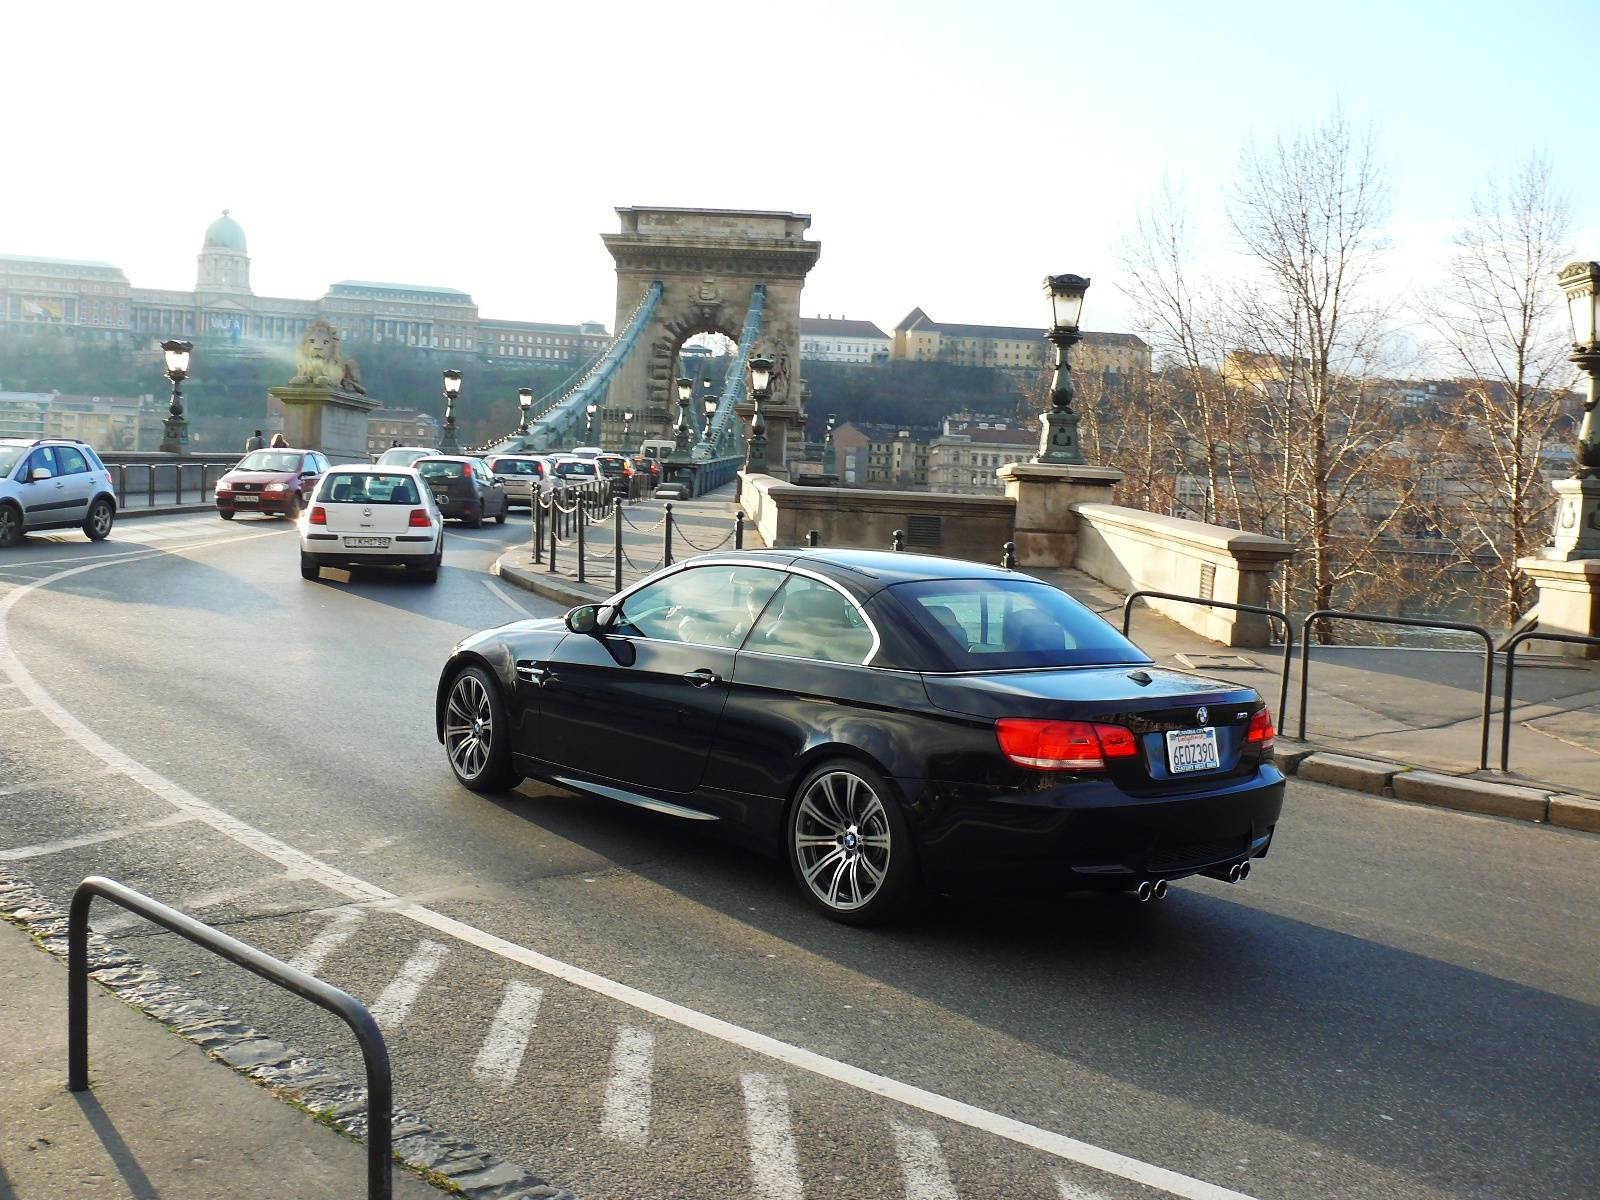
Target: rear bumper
{"x": 276, "y": 503}
{"x": 1086, "y": 834}
{"x": 328, "y": 549}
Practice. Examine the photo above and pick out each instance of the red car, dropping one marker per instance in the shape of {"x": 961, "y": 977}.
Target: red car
{"x": 270, "y": 481}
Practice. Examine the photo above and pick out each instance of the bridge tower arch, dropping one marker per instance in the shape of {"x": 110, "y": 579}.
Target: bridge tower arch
{"x": 714, "y": 265}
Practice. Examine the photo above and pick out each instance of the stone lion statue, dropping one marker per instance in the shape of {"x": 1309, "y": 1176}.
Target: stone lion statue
{"x": 319, "y": 361}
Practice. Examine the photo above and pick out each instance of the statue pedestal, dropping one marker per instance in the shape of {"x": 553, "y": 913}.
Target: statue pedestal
{"x": 1577, "y": 520}
{"x": 325, "y": 419}
{"x": 1569, "y": 599}
{"x": 785, "y": 433}
{"x": 1046, "y": 527}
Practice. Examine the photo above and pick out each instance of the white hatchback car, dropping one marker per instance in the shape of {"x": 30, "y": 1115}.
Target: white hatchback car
{"x": 363, "y": 516}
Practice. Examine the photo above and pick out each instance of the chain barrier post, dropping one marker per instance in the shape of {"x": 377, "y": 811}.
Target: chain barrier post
{"x": 555, "y": 520}
{"x": 583, "y": 524}
{"x": 616, "y": 575}
{"x": 899, "y": 541}
{"x": 1008, "y": 556}
{"x": 667, "y": 523}
{"x": 538, "y": 527}
{"x": 738, "y": 530}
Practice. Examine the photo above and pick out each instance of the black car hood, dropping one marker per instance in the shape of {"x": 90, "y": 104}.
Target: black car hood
{"x": 1080, "y": 692}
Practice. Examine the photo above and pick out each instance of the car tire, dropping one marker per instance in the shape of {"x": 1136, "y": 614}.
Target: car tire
{"x": 293, "y": 511}
{"x": 473, "y": 520}
{"x": 10, "y": 525}
{"x": 227, "y": 514}
{"x": 505, "y": 511}
{"x": 477, "y": 733}
{"x": 102, "y": 515}
{"x": 310, "y": 568}
{"x": 849, "y": 846}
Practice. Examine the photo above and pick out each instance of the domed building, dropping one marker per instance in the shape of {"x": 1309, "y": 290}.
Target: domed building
{"x": 224, "y": 264}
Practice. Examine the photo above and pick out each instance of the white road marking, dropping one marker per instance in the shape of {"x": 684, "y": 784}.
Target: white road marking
{"x": 394, "y": 1003}
{"x": 774, "y": 1161}
{"x": 39, "y": 785}
{"x": 626, "y": 1115}
{"x": 499, "y": 594}
{"x": 500, "y": 1057}
{"x": 1067, "y": 1190}
{"x": 339, "y": 930}
{"x": 189, "y": 904}
{"x": 352, "y": 888}
{"x": 922, "y": 1164}
{"x": 40, "y": 849}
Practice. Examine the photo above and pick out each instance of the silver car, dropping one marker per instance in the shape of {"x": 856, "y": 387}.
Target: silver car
{"x": 53, "y": 483}
{"x": 521, "y": 473}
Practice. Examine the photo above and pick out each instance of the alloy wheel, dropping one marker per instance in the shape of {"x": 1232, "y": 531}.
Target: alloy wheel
{"x": 469, "y": 726}
{"x": 10, "y": 525}
{"x": 841, "y": 840}
{"x": 100, "y": 519}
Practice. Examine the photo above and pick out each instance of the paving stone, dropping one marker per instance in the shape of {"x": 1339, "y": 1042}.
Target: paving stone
{"x": 1575, "y": 812}
{"x": 1343, "y": 770}
{"x": 1472, "y": 795}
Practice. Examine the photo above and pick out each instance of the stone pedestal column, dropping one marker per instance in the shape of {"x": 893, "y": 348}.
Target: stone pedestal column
{"x": 326, "y": 419}
{"x": 1046, "y": 527}
{"x": 785, "y": 433}
{"x": 1569, "y": 600}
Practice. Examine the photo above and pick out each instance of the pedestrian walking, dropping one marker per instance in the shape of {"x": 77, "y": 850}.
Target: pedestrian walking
{"x": 254, "y": 442}
{"x": 279, "y": 442}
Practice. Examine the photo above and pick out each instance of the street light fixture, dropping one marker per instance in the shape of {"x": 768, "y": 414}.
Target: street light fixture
{"x": 588, "y": 422}
{"x": 711, "y": 413}
{"x": 755, "y": 457}
{"x": 1581, "y": 282}
{"x": 627, "y": 422}
{"x": 452, "y": 388}
{"x": 175, "y": 431}
{"x": 682, "y": 431}
{"x": 1058, "y": 434}
{"x": 525, "y": 406}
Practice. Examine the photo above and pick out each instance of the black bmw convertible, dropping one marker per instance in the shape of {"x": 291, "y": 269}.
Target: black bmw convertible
{"x": 893, "y": 724}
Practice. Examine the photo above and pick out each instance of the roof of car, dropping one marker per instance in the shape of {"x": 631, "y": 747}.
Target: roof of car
{"x": 874, "y": 569}
{"x": 372, "y": 469}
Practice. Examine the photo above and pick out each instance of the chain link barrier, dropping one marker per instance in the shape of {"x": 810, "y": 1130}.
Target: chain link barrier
{"x": 677, "y": 529}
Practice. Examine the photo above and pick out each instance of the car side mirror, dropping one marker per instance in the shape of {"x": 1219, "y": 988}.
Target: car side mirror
{"x": 38, "y": 474}
{"x": 584, "y": 619}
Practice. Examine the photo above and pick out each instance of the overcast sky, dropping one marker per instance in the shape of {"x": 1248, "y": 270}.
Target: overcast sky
{"x": 950, "y": 154}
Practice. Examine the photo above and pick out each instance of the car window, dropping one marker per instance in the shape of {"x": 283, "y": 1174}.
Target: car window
{"x": 440, "y": 470}
{"x": 44, "y": 456}
{"x": 269, "y": 460}
{"x": 8, "y": 458}
{"x": 71, "y": 461}
{"x": 1002, "y": 624}
{"x": 709, "y": 606}
{"x": 349, "y": 487}
{"x": 809, "y": 619}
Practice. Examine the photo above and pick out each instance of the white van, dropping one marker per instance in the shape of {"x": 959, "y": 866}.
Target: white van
{"x": 659, "y": 449}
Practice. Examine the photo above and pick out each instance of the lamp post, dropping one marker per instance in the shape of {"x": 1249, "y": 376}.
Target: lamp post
{"x": 452, "y": 388}
{"x": 588, "y": 422}
{"x": 682, "y": 431}
{"x": 627, "y": 422}
{"x": 755, "y": 454}
{"x": 711, "y": 413}
{"x": 830, "y": 460}
{"x": 175, "y": 431}
{"x": 1578, "y": 498}
{"x": 525, "y": 406}
{"x": 1058, "y": 433}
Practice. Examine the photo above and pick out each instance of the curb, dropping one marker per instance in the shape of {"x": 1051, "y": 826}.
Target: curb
{"x": 161, "y": 510}
{"x": 1418, "y": 785}
{"x": 323, "y": 1092}
{"x": 540, "y": 582}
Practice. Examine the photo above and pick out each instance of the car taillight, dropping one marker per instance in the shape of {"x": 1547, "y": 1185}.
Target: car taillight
{"x": 466, "y": 470}
{"x": 1063, "y": 745}
{"x": 319, "y": 515}
{"x": 1261, "y": 733}
{"x": 419, "y": 519}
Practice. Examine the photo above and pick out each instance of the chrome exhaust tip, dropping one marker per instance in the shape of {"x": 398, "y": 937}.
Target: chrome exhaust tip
{"x": 1144, "y": 891}
{"x": 1235, "y": 872}
{"x": 1244, "y": 870}
{"x": 1159, "y": 890}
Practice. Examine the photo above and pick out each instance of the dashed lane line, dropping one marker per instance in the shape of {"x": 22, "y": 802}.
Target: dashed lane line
{"x": 500, "y": 1056}
{"x": 1067, "y": 1190}
{"x": 40, "y": 849}
{"x": 359, "y": 890}
{"x": 394, "y": 1002}
{"x": 341, "y": 927}
{"x": 922, "y": 1164}
{"x": 774, "y": 1160}
{"x": 626, "y": 1112}
{"x": 120, "y": 921}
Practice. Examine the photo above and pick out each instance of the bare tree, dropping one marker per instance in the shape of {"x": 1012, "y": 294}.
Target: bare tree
{"x": 1307, "y": 210}
{"x": 1499, "y": 320}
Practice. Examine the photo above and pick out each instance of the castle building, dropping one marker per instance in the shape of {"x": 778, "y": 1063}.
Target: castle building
{"x": 95, "y": 300}
{"x": 919, "y": 338}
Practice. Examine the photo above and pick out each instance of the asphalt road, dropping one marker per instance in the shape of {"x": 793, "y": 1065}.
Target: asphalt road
{"x": 1400, "y": 1002}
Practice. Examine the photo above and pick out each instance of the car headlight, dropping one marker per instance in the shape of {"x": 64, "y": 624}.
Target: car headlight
{"x": 223, "y": 486}
{"x": 277, "y": 487}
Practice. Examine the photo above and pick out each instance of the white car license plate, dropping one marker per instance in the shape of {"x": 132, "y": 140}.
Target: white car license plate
{"x": 1192, "y": 750}
{"x": 441, "y": 497}
{"x": 247, "y": 499}
{"x": 370, "y": 542}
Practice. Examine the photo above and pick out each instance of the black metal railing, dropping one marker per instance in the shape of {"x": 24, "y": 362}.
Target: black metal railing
{"x": 1258, "y": 609}
{"x": 1331, "y": 614}
{"x": 1528, "y": 635}
{"x": 374, "y": 1053}
{"x": 140, "y": 479}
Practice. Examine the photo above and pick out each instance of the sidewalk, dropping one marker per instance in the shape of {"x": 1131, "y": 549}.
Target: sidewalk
{"x": 160, "y": 1118}
{"x": 1398, "y": 710}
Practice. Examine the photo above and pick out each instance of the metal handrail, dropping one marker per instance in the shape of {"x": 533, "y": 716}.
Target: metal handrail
{"x": 1409, "y": 622}
{"x": 1260, "y": 610}
{"x": 375, "y": 1054}
{"x": 1527, "y": 635}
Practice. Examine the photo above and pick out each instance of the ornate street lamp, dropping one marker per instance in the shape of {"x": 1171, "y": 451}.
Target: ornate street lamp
{"x": 627, "y": 422}
{"x": 452, "y": 388}
{"x": 1058, "y": 434}
{"x": 755, "y": 456}
{"x": 711, "y": 413}
{"x": 175, "y": 432}
{"x": 588, "y": 422}
{"x": 682, "y": 431}
{"x": 830, "y": 459}
{"x": 1581, "y": 282}
{"x": 525, "y": 406}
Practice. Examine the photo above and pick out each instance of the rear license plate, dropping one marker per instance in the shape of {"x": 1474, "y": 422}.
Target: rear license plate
{"x": 247, "y": 499}
{"x": 1192, "y": 750}
{"x": 373, "y": 542}
{"x": 441, "y": 497}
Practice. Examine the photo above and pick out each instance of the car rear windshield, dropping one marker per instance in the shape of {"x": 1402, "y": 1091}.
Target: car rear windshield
{"x": 441, "y": 470}
{"x": 1010, "y": 624}
{"x": 347, "y": 487}
{"x": 269, "y": 460}
{"x": 612, "y": 466}
{"x": 515, "y": 466}
{"x": 575, "y": 468}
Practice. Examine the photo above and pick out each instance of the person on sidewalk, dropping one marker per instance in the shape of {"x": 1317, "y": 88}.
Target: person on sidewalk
{"x": 279, "y": 442}
{"x": 254, "y": 442}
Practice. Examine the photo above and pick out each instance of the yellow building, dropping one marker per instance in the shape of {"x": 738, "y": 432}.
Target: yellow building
{"x": 919, "y": 338}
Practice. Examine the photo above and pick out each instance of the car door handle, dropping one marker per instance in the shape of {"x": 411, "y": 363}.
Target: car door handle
{"x": 533, "y": 674}
{"x": 703, "y": 677}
